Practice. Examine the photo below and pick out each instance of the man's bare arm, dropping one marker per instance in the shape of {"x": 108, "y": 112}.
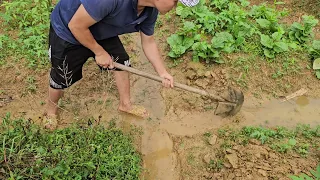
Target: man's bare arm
{"x": 151, "y": 51}
{"x": 79, "y": 26}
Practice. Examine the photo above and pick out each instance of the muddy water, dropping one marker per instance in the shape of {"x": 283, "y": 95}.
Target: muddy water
{"x": 160, "y": 161}
{"x": 300, "y": 110}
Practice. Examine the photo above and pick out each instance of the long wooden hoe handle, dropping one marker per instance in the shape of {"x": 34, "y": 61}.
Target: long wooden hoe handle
{"x": 159, "y": 79}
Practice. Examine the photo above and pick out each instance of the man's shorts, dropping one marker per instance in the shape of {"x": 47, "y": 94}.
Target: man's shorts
{"x": 68, "y": 59}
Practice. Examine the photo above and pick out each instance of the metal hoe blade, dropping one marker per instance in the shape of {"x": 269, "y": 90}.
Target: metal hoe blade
{"x": 235, "y": 99}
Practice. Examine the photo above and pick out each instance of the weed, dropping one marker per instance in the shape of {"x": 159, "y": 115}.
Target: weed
{"x": 71, "y": 153}
{"x": 215, "y": 165}
{"x": 284, "y": 147}
{"x": 207, "y": 134}
{"x": 31, "y": 86}
{"x": 191, "y": 159}
{"x": 29, "y": 20}
{"x": 100, "y": 102}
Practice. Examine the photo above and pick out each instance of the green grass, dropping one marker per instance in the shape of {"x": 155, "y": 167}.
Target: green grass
{"x": 94, "y": 152}
{"x": 283, "y": 140}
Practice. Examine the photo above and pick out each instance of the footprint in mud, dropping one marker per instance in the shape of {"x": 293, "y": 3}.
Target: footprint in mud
{"x": 4, "y": 100}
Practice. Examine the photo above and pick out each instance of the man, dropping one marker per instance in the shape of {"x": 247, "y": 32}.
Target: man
{"x": 89, "y": 28}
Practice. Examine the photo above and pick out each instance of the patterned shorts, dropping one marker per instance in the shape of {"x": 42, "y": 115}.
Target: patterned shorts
{"x": 68, "y": 59}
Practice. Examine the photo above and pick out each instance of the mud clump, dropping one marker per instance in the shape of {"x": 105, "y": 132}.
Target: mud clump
{"x": 203, "y": 77}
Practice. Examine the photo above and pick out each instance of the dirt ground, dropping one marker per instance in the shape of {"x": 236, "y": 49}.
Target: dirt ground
{"x": 172, "y": 144}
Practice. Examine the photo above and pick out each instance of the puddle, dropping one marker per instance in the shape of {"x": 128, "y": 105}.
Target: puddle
{"x": 158, "y": 157}
{"x": 301, "y": 110}
{"x": 190, "y": 123}
{"x": 302, "y": 101}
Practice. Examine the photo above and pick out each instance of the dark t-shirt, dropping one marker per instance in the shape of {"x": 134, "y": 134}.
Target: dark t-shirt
{"x": 114, "y": 17}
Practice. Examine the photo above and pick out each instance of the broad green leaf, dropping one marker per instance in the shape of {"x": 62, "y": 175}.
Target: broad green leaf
{"x": 318, "y": 74}
{"x": 187, "y": 42}
{"x": 172, "y": 54}
{"x": 292, "y": 35}
{"x": 174, "y": 39}
{"x": 298, "y": 35}
{"x": 266, "y": 41}
{"x": 244, "y": 3}
{"x": 218, "y": 41}
{"x": 293, "y": 45}
{"x": 179, "y": 10}
{"x": 282, "y": 45}
{"x": 276, "y": 36}
{"x": 220, "y": 61}
{"x": 296, "y": 25}
{"x": 292, "y": 142}
{"x": 197, "y": 37}
{"x": 295, "y": 178}
{"x": 264, "y": 23}
{"x": 240, "y": 41}
{"x": 316, "y": 44}
{"x": 316, "y": 64}
{"x": 316, "y": 173}
{"x": 183, "y": 11}
{"x": 309, "y": 21}
{"x": 268, "y": 53}
{"x": 188, "y": 26}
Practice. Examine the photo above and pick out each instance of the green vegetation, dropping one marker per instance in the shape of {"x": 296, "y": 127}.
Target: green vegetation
{"x": 229, "y": 26}
{"x": 281, "y": 139}
{"x": 25, "y": 24}
{"x": 29, "y": 152}
{"x": 315, "y": 54}
{"x": 303, "y": 176}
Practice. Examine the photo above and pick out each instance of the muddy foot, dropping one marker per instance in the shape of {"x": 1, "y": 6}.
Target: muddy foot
{"x": 50, "y": 122}
{"x": 135, "y": 110}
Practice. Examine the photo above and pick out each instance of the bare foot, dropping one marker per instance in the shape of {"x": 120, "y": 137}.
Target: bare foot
{"x": 50, "y": 121}
{"x": 136, "y": 110}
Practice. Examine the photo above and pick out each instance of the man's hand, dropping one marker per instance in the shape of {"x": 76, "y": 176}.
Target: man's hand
{"x": 104, "y": 60}
{"x": 167, "y": 80}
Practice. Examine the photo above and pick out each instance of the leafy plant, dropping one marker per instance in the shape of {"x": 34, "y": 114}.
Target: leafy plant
{"x": 233, "y": 25}
{"x": 95, "y": 152}
{"x": 179, "y": 45}
{"x": 303, "y": 32}
{"x": 284, "y": 147}
{"x": 315, "y": 50}
{"x": 315, "y": 55}
{"x": 276, "y": 43}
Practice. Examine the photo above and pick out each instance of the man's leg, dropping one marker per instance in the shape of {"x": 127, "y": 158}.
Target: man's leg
{"x": 115, "y": 48}
{"x": 123, "y": 85}
{"x": 53, "y": 99}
